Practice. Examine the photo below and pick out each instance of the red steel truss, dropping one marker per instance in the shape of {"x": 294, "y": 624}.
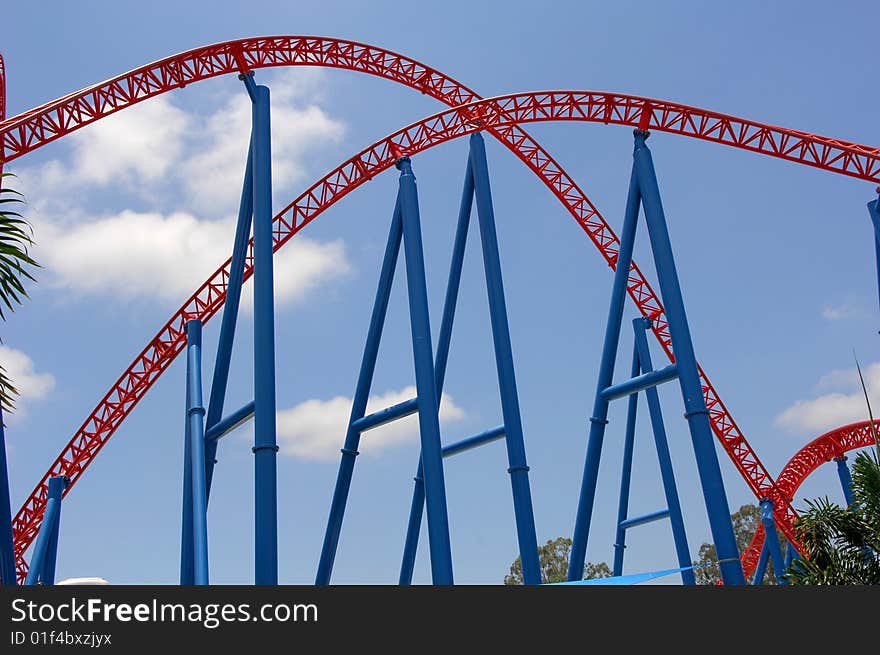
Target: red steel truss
{"x": 500, "y": 116}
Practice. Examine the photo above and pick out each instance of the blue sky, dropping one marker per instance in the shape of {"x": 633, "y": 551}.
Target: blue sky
{"x": 776, "y": 262}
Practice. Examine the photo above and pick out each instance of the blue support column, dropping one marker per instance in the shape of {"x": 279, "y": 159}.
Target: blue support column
{"x": 429, "y": 422}
{"x": 599, "y": 419}
{"x": 230, "y": 314}
{"x": 42, "y": 565}
{"x": 845, "y": 479}
{"x": 414, "y": 523}
{"x": 626, "y": 470}
{"x": 195, "y": 418}
{"x": 874, "y": 213}
{"x": 676, "y": 520}
{"x": 761, "y": 568}
{"x": 516, "y": 452}
{"x": 187, "y": 549}
{"x": 7, "y": 546}
{"x": 771, "y": 541}
{"x": 265, "y": 445}
{"x": 359, "y": 403}
{"x": 689, "y": 379}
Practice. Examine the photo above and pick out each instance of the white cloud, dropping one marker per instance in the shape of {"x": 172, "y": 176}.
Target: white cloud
{"x": 20, "y": 370}
{"x": 315, "y": 429}
{"x": 845, "y": 404}
{"x": 149, "y": 255}
{"x": 840, "y": 312}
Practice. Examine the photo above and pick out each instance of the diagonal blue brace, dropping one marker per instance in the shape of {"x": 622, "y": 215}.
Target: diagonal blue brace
{"x": 42, "y": 565}
{"x": 845, "y": 479}
{"x": 874, "y": 213}
{"x": 771, "y": 541}
{"x": 761, "y": 568}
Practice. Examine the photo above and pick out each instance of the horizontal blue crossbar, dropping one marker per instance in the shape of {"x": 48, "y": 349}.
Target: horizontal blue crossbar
{"x": 386, "y": 415}
{"x": 488, "y": 436}
{"x": 228, "y": 424}
{"x": 645, "y": 518}
{"x": 640, "y": 383}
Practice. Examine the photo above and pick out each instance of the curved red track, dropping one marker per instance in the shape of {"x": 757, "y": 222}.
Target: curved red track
{"x": 500, "y": 116}
{"x": 829, "y": 446}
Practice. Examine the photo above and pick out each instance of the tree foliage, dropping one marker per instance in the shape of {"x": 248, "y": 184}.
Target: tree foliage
{"x": 745, "y": 521}
{"x": 553, "y": 559}
{"x": 16, "y": 237}
{"x": 841, "y": 546}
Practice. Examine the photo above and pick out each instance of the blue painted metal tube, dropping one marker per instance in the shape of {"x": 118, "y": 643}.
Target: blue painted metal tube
{"x": 645, "y": 518}
{"x": 265, "y": 445}
{"x": 874, "y": 213}
{"x": 689, "y": 379}
{"x": 845, "y": 479}
{"x": 493, "y": 434}
{"x": 771, "y": 541}
{"x": 761, "y": 568}
{"x": 230, "y": 314}
{"x": 57, "y": 485}
{"x": 7, "y": 545}
{"x": 359, "y": 402}
{"x": 51, "y": 516}
{"x": 195, "y": 416}
{"x": 641, "y": 382}
{"x": 187, "y": 570}
{"x": 386, "y": 415}
{"x": 599, "y": 419}
{"x": 516, "y": 451}
{"x": 429, "y": 422}
{"x": 676, "y": 519}
{"x": 791, "y": 554}
{"x": 453, "y": 283}
{"x": 626, "y": 471}
{"x": 231, "y": 422}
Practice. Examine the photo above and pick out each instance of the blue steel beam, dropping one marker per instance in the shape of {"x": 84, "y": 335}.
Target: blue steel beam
{"x": 676, "y": 519}
{"x": 7, "y": 545}
{"x": 761, "y": 568}
{"x": 231, "y": 422}
{"x": 695, "y": 405}
{"x": 195, "y": 418}
{"x": 230, "y": 314}
{"x": 187, "y": 564}
{"x": 771, "y": 541}
{"x": 516, "y": 451}
{"x": 42, "y": 565}
{"x": 644, "y": 518}
{"x": 493, "y": 434}
{"x": 626, "y": 471}
{"x": 359, "y": 402}
{"x": 386, "y": 415}
{"x": 265, "y": 444}
{"x": 845, "y": 479}
{"x": 599, "y": 419}
{"x": 874, "y": 213}
{"x": 429, "y": 422}
{"x": 641, "y": 382}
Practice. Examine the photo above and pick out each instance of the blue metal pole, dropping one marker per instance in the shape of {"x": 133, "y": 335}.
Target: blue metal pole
{"x": 414, "y": 524}
{"x": 516, "y": 451}
{"x": 676, "y": 520}
{"x": 265, "y": 444}
{"x": 43, "y": 550}
{"x": 359, "y": 402}
{"x": 643, "y": 382}
{"x": 761, "y": 568}
{"x": 195, "y": 417}
{"x": 626, "y": 471}
{"x": 230, "y": 314}
{"x": 874, "y": 213}
{"x": 689, "y": 378}
{"x": 845, "y": 479}
{"x": 7, "y": 545}
{"x": 599, "y": 419}
{"x": 429, "y": 422}
{"x": 187, "y": 563}
{"x": 771, "y": 541}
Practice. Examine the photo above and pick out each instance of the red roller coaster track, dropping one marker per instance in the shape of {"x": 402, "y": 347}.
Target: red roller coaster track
{"x": 500, "y": 116}
{"x": 820, "y": 450}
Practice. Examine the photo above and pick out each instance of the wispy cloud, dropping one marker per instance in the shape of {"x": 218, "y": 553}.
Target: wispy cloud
{"x": 841, "y": 311}
{"x": 315, "y": 429}
{"x": 31, "y": 385}
{"x": 844, "y": 404}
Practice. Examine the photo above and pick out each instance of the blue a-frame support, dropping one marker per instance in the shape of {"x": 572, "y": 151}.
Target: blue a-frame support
{"x": 42, "y": 564}
{"x": 430, "y": 489}
{"x": 641, "y": 363}
{"x": 203, "y": 430}
{"x": 643, "y": 189}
